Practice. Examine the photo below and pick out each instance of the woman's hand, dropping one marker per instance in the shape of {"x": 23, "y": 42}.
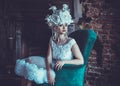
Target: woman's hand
{"x": 59, "y": 65}
{"x": 51, "y": 79}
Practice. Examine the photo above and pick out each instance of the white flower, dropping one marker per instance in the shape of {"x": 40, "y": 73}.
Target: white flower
{"x": 61, "y": 16}
{"x": 53, "y": 8}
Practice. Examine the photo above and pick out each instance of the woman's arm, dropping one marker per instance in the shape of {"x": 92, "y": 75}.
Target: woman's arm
{"x": 48, "y": 67}
{"x": 49, "y": 58}
{"x": 77, "y": 61}
{"x": 78, "y": 56}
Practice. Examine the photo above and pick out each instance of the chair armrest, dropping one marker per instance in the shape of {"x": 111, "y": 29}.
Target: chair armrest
{"x": 70, "y": 75}
{"x": 69, "y": 66}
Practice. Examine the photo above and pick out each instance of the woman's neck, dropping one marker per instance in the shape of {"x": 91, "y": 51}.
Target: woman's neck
{"x": 61, "y": 39}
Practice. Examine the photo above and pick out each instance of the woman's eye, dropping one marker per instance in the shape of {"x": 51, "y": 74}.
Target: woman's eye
{"x": 66, "y": 24}
{"x": 60, "y": 25}
{"x": 63, "y": 25}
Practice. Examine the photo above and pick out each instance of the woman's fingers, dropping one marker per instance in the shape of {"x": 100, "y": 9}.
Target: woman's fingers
{"x": 51, "y": 82}
{"x": 59, "y": 65}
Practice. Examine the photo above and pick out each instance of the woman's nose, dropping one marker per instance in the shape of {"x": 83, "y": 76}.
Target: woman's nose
{"x": 64, "y": 27}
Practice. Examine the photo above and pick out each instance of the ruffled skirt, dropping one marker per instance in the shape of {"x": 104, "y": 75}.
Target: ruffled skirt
{"x": 33, "y": 68}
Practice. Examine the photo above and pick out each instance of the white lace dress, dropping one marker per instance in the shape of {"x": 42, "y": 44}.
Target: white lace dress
{"x": 33, "y": 68}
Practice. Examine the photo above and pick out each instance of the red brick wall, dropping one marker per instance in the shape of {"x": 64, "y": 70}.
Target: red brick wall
{"x": 103, "y": 66}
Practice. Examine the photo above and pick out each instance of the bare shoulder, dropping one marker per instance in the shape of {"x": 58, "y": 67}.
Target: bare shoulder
{"x": 70, "y": 38}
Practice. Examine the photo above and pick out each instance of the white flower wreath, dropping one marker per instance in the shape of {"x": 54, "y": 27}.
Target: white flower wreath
{"x": 59, "y": 17}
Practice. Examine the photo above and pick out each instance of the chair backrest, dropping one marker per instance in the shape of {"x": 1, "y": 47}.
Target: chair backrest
{"x": 85, "y": 40}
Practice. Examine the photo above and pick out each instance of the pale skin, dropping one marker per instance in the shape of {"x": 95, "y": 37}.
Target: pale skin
{"x": 61, "y": 39}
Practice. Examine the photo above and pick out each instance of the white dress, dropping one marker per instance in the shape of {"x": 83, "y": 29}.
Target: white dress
{"x": 33, "y": 68}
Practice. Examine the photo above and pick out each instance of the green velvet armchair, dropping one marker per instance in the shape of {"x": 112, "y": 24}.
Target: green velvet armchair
{"x": 73, "y": 75}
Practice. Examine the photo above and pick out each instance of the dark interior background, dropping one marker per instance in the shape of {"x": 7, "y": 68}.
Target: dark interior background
{"x": 23, "y": 32}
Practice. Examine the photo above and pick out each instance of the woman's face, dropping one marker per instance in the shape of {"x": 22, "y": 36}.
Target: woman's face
{"x": 62, "y": 29}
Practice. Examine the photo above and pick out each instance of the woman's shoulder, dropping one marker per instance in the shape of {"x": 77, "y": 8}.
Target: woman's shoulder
{"x": 71, "y": 40}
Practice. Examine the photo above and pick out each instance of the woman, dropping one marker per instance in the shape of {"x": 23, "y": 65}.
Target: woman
{"x": 61, "y": 51}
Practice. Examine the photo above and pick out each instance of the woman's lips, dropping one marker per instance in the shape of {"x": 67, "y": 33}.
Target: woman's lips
{"x": 64, "y": 30}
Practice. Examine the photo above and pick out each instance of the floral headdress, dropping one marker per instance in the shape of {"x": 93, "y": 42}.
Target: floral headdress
{"x": 59, "y": 17}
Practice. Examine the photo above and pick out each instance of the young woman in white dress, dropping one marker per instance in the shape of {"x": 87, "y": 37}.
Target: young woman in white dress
{"x": 62, "y": 50}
